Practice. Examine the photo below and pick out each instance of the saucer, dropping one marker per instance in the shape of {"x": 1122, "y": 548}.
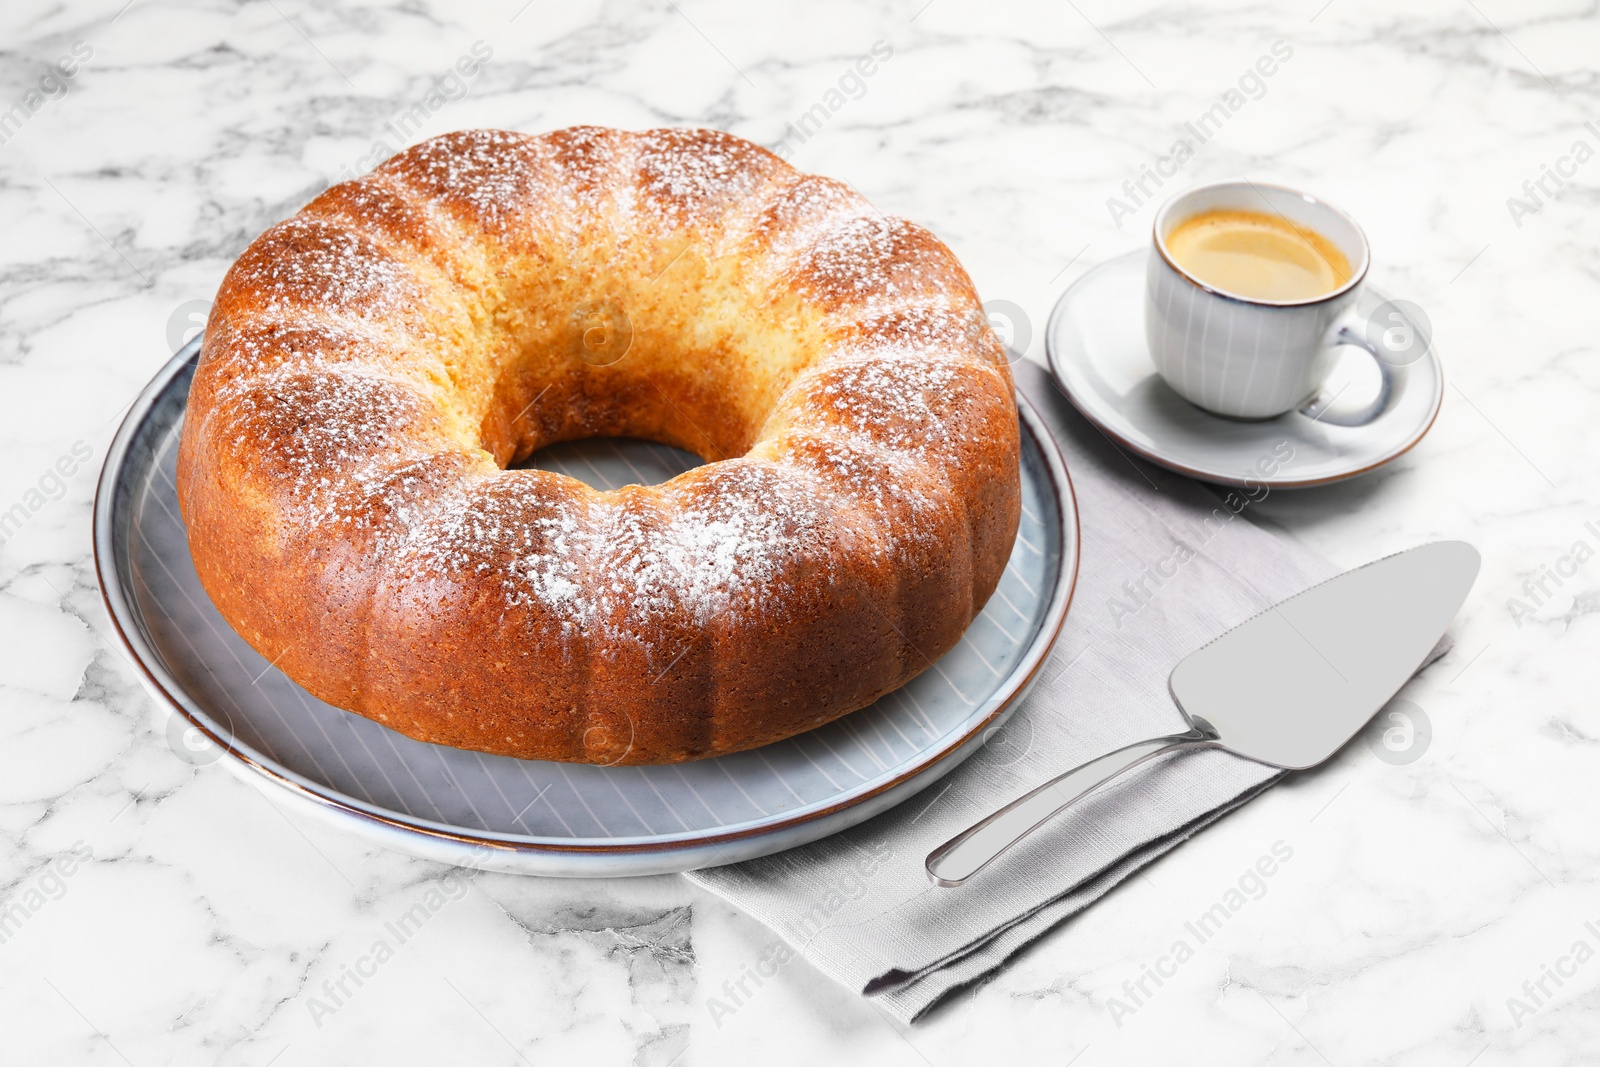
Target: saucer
{"x": 1096, "y": 346}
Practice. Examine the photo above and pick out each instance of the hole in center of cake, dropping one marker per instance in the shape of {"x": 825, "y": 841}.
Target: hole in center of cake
{"x": 612, "y": 462}
{"x": 665, "y": 365}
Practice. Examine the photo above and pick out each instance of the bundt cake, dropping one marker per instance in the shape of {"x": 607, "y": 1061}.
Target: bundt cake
{"x": 375, "y": 366}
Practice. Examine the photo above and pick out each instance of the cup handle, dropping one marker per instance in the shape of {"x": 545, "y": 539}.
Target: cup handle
{"x": 1344, "y": 332}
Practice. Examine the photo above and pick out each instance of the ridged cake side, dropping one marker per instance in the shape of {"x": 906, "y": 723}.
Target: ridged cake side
{"x": 372, "y": 365}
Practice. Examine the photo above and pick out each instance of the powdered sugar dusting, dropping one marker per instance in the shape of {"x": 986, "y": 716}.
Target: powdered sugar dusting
{"x": 802, "y": 210}
{"x": 615, "y": 565}
{"x": 314, "y": 428}
{"x": 892, "y": 490}
{"x": 490, "y": 171}
{"x": 740, "y": 531}
{"x": 248, "y": 347}
{"x": 865, "y": 263}
{"x": 887, "y": 402}
{"x": 528, "y": 530}
{"x": 940, "y": 329}
{"x": 384, "y": 504}
{"x": 310, "y": 263}
{"x": 694, "y": 175}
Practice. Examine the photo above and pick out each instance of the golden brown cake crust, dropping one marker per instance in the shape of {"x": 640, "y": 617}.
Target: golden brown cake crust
{"x": 373, "y": 364}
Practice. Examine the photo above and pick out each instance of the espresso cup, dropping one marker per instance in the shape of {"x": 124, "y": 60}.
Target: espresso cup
{"x": 1248, "y": 357}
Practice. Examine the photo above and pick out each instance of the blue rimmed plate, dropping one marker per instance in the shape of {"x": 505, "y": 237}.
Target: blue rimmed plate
{"x": 493, "y": 812}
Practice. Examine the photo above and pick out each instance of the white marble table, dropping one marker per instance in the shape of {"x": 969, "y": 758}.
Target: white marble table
{"x": 162, "y": 913}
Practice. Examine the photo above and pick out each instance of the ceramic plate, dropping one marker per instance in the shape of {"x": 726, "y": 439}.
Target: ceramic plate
{"x": 1095, "y": 342}
{"x": 493, "y": 812}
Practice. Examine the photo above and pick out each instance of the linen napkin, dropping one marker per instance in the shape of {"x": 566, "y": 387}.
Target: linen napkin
{"x": 1167, "y": 564}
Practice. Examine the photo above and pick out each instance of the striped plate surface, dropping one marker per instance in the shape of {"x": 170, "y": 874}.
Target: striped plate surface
{"x": 552, "y": 818}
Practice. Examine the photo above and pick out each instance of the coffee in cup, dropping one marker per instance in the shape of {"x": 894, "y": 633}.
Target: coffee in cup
{"x": 1250, "y": 292}
{"x": 1257, "y": 255}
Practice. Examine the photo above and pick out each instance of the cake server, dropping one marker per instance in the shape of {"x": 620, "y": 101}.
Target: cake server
{"x": 1287, "y": 688}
